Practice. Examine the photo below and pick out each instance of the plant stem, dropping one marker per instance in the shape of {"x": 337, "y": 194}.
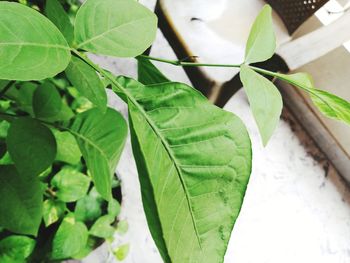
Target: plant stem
{"x": 6, "y": 88}
{"x": 189, "y": 64}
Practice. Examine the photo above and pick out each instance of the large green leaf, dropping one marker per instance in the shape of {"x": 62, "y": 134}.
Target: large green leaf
{"x": 194, "y": 162}
{"x": 21, "y": 202}
{"x": 31, "y": 47}
{"x": 261, "y": 42}
{"x": 88, "y": 209}
{"x": 71, "y": 185}
{"x": 16, "y": 248}
{"x": 148, "y": 73}
{"x": 55, "y": 12}
{"x": 87, "y": 82}
{"x": 329, "y": 104}
{"x": 265, "y": 101}
{"x": 46, "y": 101}
{"x": 31, "y": 145}
{"x": 120, "y": 28}
{"x": 101, "y": 138}
{"x": 70, "y": 238}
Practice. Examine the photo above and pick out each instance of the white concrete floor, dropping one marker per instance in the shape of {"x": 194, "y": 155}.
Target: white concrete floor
{"x": 291, "y": 213}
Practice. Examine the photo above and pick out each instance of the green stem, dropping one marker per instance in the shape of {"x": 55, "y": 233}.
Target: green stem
{"x": 189, "y": 64}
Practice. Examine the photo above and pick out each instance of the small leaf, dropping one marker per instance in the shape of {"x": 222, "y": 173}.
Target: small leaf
{"x": 122, "y": 227}
{"x": 31, "y": 145}
{"x": 265, "y": 101}
{"x": 46, "y": 101}
{"x": 148, "y": 73}
{"x": 55, "y": 12}
{"x": 32, "y": 48}
{"x": 70, "y": 238}
{"x": 87, "y": 82}
{"x": 25, "y": 97}
{"x": 16, "y": 248}
{"x": 121, "y": 252}
{"x": 261, "y": 42}
{"x": 71, "y": 185}
{"x": 113, "y": 208}
{"x": 102, "y": 227}
{"x": 126, "y": 28}
{"x": 101, "y": 138}
{"x": 329, "y": 104}
{"x": 21, "y": 205}
{"x": 67, "y": 148}
{"x": 53, "y": 210}
{"x": 88, "y": 209}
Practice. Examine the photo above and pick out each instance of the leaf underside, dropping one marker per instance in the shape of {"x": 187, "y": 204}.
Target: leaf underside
{"x": 194, "y": 162}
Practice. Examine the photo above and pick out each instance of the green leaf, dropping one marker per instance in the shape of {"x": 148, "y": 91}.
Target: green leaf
{"x": 31, "y": 48}
{"x": 126, "y": 28}
{"x": 90, "y": 246}
{"x": 87, "y": 82}
{"x": 122, "y": 227}
{"x": 261, "y": 42}
{"x": 70, "y": 238}
{"x": 46, "y": 101}
{"x": 113, "y": 208}
{"x": 16, "y": 248}
{"x": 265, "y": 101}
{"x": 21, "y": 205}
{"x": 102, "y": 227}
{"x": 148, "y": 73}
{"x": 194, "y": 162}
{"x": 67, "y": 148}
{"x": 31, "y": 145}
{"x": 25, "y": 97}
{"x": 88, "y": 209}
{"x": 55, "y": 12}
{"x": 71, "y": 185}
{"x": 329, "y": 104}
{"x": 121, "y": 252}
{"x": 53, "y": 210}
{"x": 101, "y": 138}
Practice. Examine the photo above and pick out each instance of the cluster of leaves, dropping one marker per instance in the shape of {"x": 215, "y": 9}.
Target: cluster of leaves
{"x": 193, "y": 159}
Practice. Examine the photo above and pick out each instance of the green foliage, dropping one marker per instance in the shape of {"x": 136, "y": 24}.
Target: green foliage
{"x": 176, "y": 135}
{"x": 70, "y": 239}
{"x": 21, "y": 205}
{"x": 46, "y": 101}
{"x": 125, "y": 29}
{"x": 53, "y": 210}
{"x": 30, "y": 45}
{"x": 148, "y": 74}
{"x": 55, "y": 12}
{"x": 70, "y": 185}
{"x": 16, "y": 248}
{"x": 101, "y": 138}
{"x": 265, "y": 101}
{"x": 194, "y": 159}
{"x": 31, "y": 145}
{"x": 67, "y": 148}
{"x": 102, "y": 227}
{"x": 87, "y": 82}
{"x": 261, "y": 43}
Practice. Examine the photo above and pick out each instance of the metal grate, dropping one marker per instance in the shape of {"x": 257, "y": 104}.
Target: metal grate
{"x": 295, "y": 12}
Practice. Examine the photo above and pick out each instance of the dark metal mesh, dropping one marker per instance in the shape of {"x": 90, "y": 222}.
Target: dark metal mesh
{"x": 295, "y": 12}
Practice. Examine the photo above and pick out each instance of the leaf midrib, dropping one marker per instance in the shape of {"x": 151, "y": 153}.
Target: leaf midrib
{"x": 110, "y": 30}
{"x": 167, "y": 148}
